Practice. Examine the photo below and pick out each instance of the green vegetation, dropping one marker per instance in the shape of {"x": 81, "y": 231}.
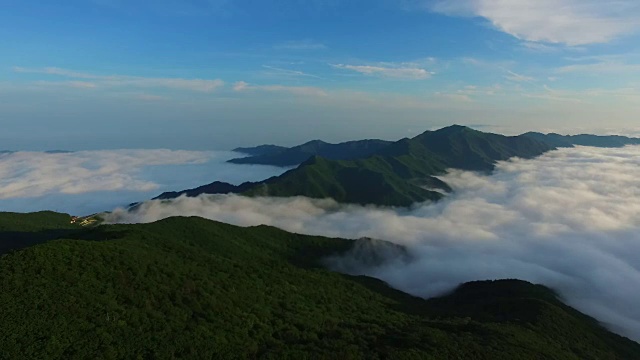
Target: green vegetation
{"x": 22, "y": 230}
{"x": 269, "y": 155}
{"x": 260, "y": 150}
{"x": 376, "y": 180}
{"x": 192, "y": 288}
{"x": 397, "y": 174}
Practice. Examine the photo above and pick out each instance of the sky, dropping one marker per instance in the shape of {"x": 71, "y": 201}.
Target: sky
{"x": 216, "y": 74}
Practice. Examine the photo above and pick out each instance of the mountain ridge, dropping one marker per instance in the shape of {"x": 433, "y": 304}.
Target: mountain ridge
{"x": 295, "y": 155}
{"x": 398, "y": 174}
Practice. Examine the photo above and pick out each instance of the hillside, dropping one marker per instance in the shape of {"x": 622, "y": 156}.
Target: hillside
{"x": 193, "y": 288}
{"x": 260, "y": 150}
{"x": 605, "y": 141}
{"x": 23, "y": 230}
{"x": 298, "y": 154}
{"x": 399, "y": 174}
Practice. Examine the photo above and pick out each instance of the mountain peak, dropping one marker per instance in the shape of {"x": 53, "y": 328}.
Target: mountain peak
{"x": 453, "y": 129}
{"x": 314, "y": 142}
{"x": 448, "y": 130}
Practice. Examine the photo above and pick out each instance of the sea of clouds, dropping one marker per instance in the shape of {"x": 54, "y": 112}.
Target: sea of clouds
{"x": 87, "y": 182}
{"x": 569, "y": 219}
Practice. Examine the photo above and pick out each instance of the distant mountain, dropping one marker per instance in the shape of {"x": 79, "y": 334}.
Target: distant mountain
{"x": 192, "y": 288}
{"x": 604, "y": 141}
{"x": 260, "y": 150}
{"x": 216, "y": 187}
{"x": 298, "y": 154}
{"x": 398, "y": 174}
{"x": 464, "y": 148}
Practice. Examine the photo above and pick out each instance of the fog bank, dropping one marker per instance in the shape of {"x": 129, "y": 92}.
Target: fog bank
{"x": 569, "y": 219}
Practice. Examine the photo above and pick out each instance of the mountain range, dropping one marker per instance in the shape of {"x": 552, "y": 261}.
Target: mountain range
{"x": 386, "y": 173}
{"x": 193, "y": 288}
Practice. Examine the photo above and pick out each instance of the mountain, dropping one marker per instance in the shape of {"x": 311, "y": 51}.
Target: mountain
{"x": 605, "y": 141}
{"x": 198, "y": 289}
{"x": 399, "y": 174}
{"x": 260, "y": 150}
{"x": 216, "y": 187}
{"x": 464, "y": 148}
{"x": 298, "y": 154}
{"x": 374, "y": 180}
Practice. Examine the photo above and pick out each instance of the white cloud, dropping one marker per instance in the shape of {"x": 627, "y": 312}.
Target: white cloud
{"x": 288, "y": 72}
{"x": 395, "y": 72}
{"x": 569, "y": 219}
{"x": 241, "y": 86}
{"x": 598, "y": 68}
{"x": 200, "y": 85}
{"x": 90, "y": 181}
{"x": 512, "y": 76}
{"x": 570, "y": 22}
{"x": 460, "y": 97}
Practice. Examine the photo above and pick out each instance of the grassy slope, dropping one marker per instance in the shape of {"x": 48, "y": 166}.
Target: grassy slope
{"x": 192, "y": 288}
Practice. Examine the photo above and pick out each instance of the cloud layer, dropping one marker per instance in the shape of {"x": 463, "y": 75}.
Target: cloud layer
{"x": 569, "y": 220}
{"x": 396, "y": 72}
{"x": 91, "y": 81}
{"x": 91, "y": 181}
{"x": 571, "y": 22}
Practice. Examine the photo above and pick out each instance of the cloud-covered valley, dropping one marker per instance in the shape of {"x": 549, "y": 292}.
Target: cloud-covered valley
{"x": 569, "y": 219}
{"x": 85, "y": 182}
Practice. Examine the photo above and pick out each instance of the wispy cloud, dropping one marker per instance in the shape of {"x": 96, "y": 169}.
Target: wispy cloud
{"x": 605, "y": 67}
{"x": 454, "y": 97}
{"x": 242, "y": 86}
{"x": 513, "y": 76}
{"x": 394, "y": 72}
{"x": 570, "y": 22}
{"x": 301, "y": 45}
{"x": 556, "y": 95}
{"x": 288, "y": 72}
{"x": 73, "y": 84}
{"x": 198, "y": 85}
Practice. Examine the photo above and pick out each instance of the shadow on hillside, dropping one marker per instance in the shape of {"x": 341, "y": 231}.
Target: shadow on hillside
{"x": 400, "y": 301}
{"x": 15, "y": 240}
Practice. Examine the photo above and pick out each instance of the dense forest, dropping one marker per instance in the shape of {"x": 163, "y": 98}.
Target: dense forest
{"x": 193, "y": 288}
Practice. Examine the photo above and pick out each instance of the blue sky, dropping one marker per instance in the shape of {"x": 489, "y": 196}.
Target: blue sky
{"x": 214, "y": 74}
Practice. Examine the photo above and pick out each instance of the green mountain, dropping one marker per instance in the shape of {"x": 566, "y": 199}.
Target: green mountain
{"x": 197, "y": 289}
{"x": 23, "y": 230}
{"x": 399, "y": 174}
{"x": 260, "y": 150}
{"x": 216, "y": 187}
{"x": 605, "y": 141}
{"x": 298, "y": 154}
